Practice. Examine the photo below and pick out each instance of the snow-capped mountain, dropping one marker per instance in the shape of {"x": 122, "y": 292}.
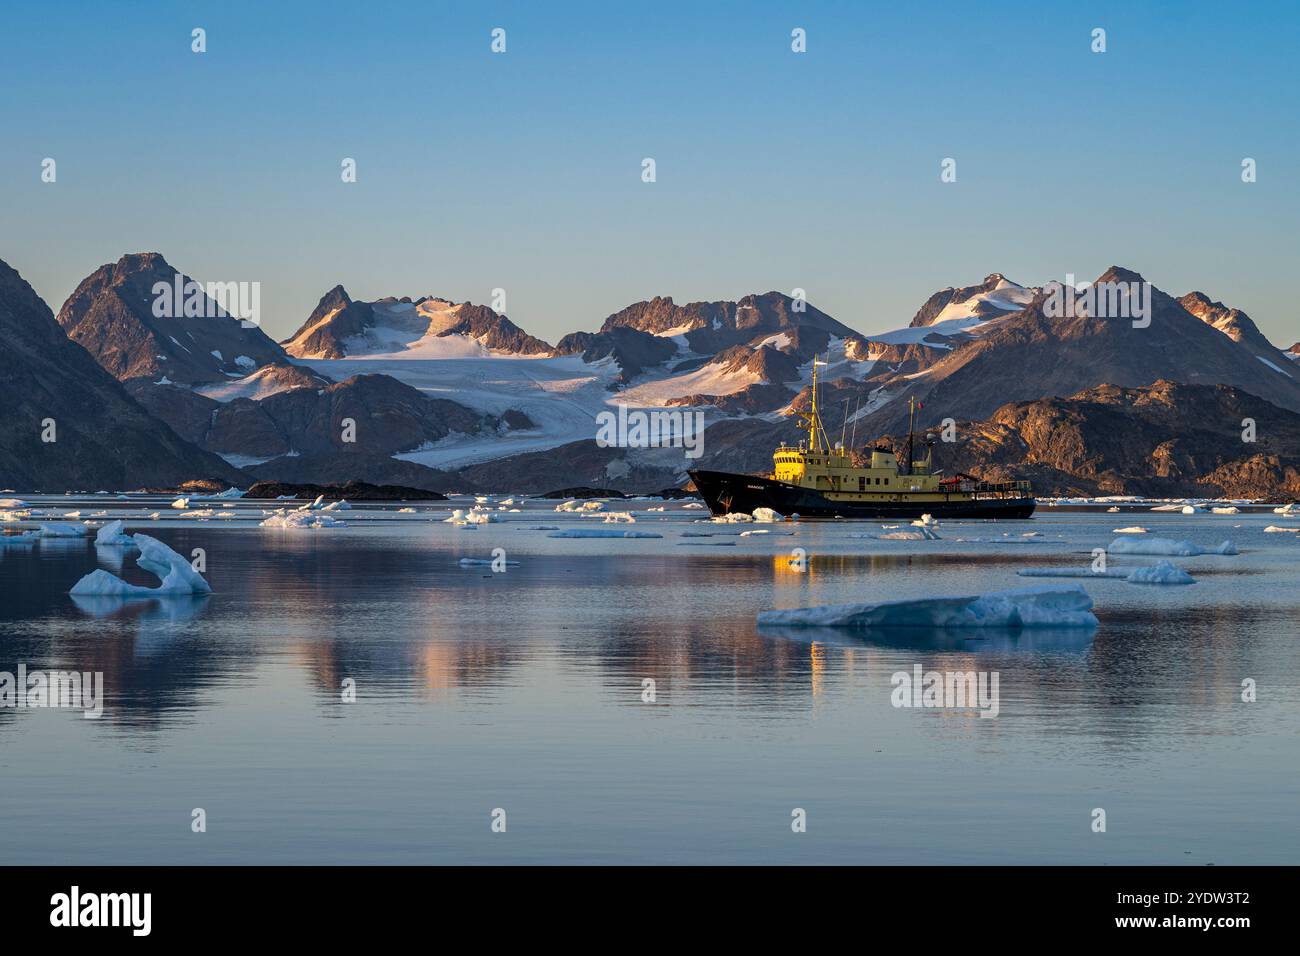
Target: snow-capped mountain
{"x": 113, "y": 314}
{"x": 68, "y": 423}
{"x": 427, "y": 327}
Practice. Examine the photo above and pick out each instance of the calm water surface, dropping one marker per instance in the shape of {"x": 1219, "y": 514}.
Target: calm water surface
{"x": 523, "y": 691}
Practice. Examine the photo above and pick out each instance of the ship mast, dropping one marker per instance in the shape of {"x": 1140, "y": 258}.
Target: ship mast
{"x": 911, "y": 415}
{"x": 812, "y": 416}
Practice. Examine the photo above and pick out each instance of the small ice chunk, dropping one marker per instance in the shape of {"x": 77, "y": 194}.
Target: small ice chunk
{"x": 1166, "y": 547}
{"x": 765, "y": 515}
{"x": 181, "y": 503}
{"x": 1161, "y": 573}
{"x": 112, "y": 535}
{"x": 1273, "y": 529}
{"x": 1133, "y": 530}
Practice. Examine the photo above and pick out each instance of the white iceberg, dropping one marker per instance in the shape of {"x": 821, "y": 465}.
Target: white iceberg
{"x": 766, "y": 515}
{"x": 574, "y": 504}
{"x": 1136, "y": 529}
{"x": 55, "y": 529}
{"x": 1225, "y": 510}
{"x": 601, "y": 533}
{"x": 475, "y": 515}
{"x": 1273, "y": 529}
{"x": 175, "y": 574}
{"x": 181, "y": 503}
{"x": 1289, "y": 509}
{"x": 1047, "y": 606}
{"x": 301, "y": 519}
{"x": 1166, "y": 547}
{"x": 111, "y": 535}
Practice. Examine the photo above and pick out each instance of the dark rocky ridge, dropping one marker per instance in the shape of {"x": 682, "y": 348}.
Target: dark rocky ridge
{"x": 351, "y": 490}
{"x": 111, "y": 315}
{"x": 390, "y": 417}
{"x": 105, "y": 440}
{"x": 1163, "y": 440}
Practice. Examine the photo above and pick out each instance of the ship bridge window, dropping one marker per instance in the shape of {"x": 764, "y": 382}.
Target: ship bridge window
{"x": 862, "y": 484}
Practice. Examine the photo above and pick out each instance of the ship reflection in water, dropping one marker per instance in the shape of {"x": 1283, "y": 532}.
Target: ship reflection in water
{"x": 528, "y": 690}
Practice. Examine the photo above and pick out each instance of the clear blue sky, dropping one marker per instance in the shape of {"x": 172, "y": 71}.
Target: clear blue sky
{"x": 775, "y": 170}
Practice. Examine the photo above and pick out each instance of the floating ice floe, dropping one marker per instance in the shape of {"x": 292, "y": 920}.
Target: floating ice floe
{"x": 9, "y": 503}
{"x": 1048, "y": 606}
{"x": 925, "y": 521}
{"x": 174, "y": 572}
{"x": 1166, "y": 547}
{"x": 181, "y": 503}
{"x": 301, "y": 519}
{"x": 406, "y": 511}
{"x": 1226, "y": 510}
{"x": 1192, "y": 509}
{"x": 1272, "y": 529}
{"x": 692, "y": 505}
{"x": 22, "y": 537}
{"x": 1135, "y": 529}
{"x": 732, "y": 517}
{"x": 573, "y": 504}
{"x": 111, "y": 535}
{"x": 617, "y": 517}
{"x": 765, "y": 515}
{"x": 660, "y": 508}
{"x": 602, "y": 533}
{"x": 340, "y": 505}
{"x": 1112, "y": 510}
{"x": 55, "y": 529}
{"x": 784, "y": 534}
{"x": 1289, "y": 509}
{"x": 475, "y": 515}
{"x": 1161, "y": 573}
{"x": 1177, "y": 507}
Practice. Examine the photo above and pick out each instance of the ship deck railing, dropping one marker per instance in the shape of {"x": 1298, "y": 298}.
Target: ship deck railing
{"x": 991, "y": 489}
